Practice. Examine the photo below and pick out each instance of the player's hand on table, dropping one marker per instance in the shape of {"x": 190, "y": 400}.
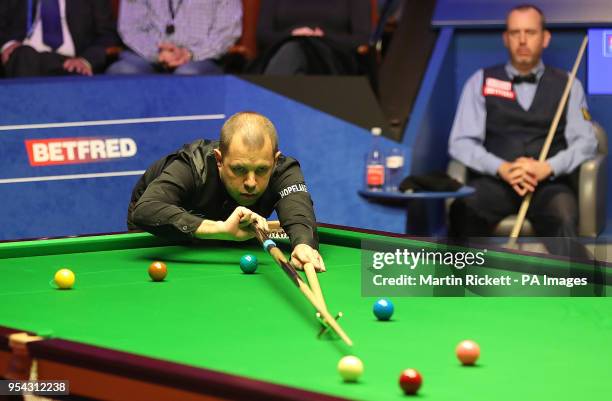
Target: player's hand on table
{"x": 240, "y": 224}
{"x": 303, "y": 254}
{"x": 6, "y": 54}
{"x": 78, "y": 65}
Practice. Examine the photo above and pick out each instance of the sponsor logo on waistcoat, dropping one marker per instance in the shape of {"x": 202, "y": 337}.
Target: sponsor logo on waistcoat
{"x": 499, "y": 88}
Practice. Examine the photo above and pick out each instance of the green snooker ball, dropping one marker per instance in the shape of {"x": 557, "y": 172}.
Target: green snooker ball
{"x": 248, "y": 263}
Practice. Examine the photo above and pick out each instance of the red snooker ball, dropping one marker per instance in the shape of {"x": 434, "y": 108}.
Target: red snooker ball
{"x": 158, "y": 271}
{"x": 410, "y": 381}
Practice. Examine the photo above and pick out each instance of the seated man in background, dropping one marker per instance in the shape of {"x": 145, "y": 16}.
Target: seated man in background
{"x": 183, "y": 37}
{"x": 502, "y": 121}
{"x": 218, "y": 189}
{"x": 312, "y": 37}
{"x": 55, "y": 37}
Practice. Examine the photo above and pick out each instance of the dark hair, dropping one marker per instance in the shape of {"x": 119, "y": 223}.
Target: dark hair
{"x": 527, "y": 6}
{"x": 252, "y": 127}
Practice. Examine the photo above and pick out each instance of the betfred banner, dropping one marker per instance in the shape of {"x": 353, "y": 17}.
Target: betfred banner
{"x": 55, "y": 151}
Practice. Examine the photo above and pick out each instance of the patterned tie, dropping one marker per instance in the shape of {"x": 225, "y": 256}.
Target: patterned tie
{"x": 51, "y": 23}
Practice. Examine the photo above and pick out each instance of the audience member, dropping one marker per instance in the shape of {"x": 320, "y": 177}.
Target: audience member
{"x": 55, "y": 37}
{"x": 312, "y": 37}
{"x": 182, "y": 37}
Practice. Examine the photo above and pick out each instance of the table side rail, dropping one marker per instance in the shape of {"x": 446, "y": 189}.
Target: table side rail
{"x": 189, "y": 378}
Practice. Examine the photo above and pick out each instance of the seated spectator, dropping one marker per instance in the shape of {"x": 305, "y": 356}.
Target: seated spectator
{"x": 312, "y": 37}
{"x": 55, "y": 37}
{"x": 176, "y": 36}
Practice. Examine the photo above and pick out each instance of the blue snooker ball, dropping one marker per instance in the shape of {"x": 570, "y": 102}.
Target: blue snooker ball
{"x": 248, "y": 263}
{"x": 383, "y": 309}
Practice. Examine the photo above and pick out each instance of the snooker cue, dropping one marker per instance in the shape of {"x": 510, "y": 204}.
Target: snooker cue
{"x": 518, "y": 224}
{"x": 313, "y": 280}
{"x": 278, "y": 256}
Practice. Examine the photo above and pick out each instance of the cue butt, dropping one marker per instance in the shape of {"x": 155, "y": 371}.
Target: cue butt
{"x": 516, "y": 230}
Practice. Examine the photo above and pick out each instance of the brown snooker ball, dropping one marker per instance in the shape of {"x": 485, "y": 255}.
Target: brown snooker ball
{"x": 158, "y": 271}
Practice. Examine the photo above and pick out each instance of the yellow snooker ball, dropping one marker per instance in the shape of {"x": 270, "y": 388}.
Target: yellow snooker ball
{"x": 350, "y": 368}
{"x": 64, "y": 278}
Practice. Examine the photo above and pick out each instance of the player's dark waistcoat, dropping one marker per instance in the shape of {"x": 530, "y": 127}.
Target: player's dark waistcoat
{"x": 512, "y": 132}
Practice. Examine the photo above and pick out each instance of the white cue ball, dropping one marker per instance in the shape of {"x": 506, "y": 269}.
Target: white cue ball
{"x": 350, "y": 368}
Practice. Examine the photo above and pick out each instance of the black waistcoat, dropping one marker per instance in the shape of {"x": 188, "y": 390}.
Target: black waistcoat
{"x": 512, "y": 132}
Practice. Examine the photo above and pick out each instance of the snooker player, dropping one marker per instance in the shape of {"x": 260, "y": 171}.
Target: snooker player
{"x": 501, "y": 123}
{"x": 219, "y": 189}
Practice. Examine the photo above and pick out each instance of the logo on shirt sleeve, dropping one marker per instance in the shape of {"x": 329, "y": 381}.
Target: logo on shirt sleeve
{"x": 499, "y": 88}
{"x": 292, "y": 189}
{"x": 585, "y": 114}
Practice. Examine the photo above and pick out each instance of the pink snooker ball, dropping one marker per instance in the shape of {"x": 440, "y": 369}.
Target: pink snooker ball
{"x": 468, "y": 352}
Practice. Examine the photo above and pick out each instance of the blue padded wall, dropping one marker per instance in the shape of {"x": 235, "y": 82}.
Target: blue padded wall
{"x": 427, "y": 131}
{"x": 331, "y": 151}
{"x": 91, "y": 205}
